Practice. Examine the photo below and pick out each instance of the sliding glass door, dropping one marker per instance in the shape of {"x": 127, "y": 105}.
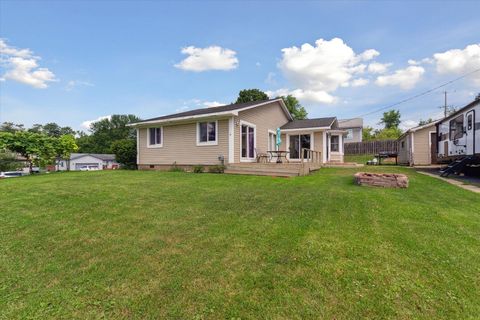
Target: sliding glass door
{"x": 297, "y": 142}
{"x": 248, "y": 142}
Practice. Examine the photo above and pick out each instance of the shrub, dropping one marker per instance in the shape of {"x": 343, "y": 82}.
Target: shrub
{"x": 176, "y": 168}
{"x": 216, "y": 169}
{"x": 198, "y": 169}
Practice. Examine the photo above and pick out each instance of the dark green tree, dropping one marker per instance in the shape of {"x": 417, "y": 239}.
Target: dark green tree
{"x": 296, "y": 110}
{"x": 105, "y": 132}
{"x": 11, "y": 127}
{"x": 125, "y": 151}
{"x": 251, "y": 95}
{"x": 391, "y": 119}
{"x": 424, "y": 122}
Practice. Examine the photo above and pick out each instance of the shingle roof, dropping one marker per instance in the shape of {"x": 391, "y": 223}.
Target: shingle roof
{"x": 206, "y": 111}
{"x": 309, "y": 123}
{"x": 350, "y": 123}
{"x": 101, "y": 156}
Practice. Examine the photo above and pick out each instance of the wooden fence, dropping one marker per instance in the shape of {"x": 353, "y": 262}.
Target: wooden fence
{"x": 370, "y": 147}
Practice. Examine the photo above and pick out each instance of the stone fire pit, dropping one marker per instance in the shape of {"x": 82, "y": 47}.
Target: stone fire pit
{"x": 385, "y": 180}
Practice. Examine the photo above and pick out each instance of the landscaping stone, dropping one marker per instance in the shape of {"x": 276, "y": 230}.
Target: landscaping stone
{"x": 385, "y": 180}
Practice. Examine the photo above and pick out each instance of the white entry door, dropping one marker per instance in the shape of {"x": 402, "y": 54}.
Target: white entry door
{"x": 247, "y": 142}
{"x": 470, "y": 130}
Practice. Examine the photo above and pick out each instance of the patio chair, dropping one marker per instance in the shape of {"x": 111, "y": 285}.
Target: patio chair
{"x": 261, "y": 156}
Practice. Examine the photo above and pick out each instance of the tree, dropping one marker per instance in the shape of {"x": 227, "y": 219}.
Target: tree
{"x": 11, "y": 127}
{"x": 294, "y": 107}
{"x": 368, "y": 133}
{"x": 387, "y": 134}
{"x": 37, "y": 148}
{"x": 52, "y": 129}
{"x": 251, "y": 95}
{"x": 391, "y": 119}
{"x": 8, "y": 161}
{"x": 125, "y": 152}
{"x": 424, "y": 122}
{"x": 107, "y": 131}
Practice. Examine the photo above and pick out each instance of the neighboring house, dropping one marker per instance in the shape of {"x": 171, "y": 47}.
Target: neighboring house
{"x": 93, "y": 161}
{"x": 353, "y": 127}
{"x": 418, "y": 145}
{"x": 234, "y": 133}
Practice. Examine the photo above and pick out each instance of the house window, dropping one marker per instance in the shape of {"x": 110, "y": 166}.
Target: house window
{"x": 456, "y": 128}
{"x": 349, "y": 134}
{"x": 470, "y": 122}
{"x": 403, "y": 144}
{"x": 297, "y": 143}
{"x": 155, "y": 137}
{"x": 207, "y": 133}
{"x": 334, "y": 143}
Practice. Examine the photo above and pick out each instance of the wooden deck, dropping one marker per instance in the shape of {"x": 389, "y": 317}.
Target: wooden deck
{"x": 273, "y": 169}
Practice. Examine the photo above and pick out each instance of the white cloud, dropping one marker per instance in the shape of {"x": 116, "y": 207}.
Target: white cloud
{"x": 459, "y": 61}
{"x": 369, "y": 54}
{"x": 271, "y": 78}
{"x": 360, "y": 82}
{"x": 210, "y": 58}
{"x": 210, "y": 104}
{"x": 408, "y": 124}
{"x": 317, "y": 71}
{"x": 404, "y": 78}
{"x": 88, "y": 123}
{"x": 305, "y": 95}
{"x": 77, "y": 83}
{"x": 258, "y": 64}
{"x": 22, "y": 66}
{"x": 377, "y": 67}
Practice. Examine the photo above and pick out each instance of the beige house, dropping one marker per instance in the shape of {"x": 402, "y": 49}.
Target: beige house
{"x": 234, "y": 134}
{"x": 418, "y": 146}
{"x": 353, "y": 128}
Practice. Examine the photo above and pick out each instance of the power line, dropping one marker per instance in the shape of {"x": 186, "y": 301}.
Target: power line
{"x": 420, "y": 94}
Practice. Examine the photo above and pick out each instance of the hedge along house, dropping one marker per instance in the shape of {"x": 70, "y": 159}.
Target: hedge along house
{"x": 234, "y": 134}
{"x": 418, "y": 145}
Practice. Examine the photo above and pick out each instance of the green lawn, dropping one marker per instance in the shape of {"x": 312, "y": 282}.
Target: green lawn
{"x": 153, "y": 245}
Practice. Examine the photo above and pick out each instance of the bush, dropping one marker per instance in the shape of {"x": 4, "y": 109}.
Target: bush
{"x": 126, "y": 153}
{"x": 176, "y": 168}
{"x": 216, "y": 169}
{"x": 198, "y": 169}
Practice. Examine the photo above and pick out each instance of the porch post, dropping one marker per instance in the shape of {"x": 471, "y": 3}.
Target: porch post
{"x": 324, "y": 146}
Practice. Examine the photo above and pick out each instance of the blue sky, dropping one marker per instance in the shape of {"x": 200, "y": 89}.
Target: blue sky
{"x": 91, "y": 59}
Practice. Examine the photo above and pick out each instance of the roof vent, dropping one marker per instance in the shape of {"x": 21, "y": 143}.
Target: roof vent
{"x": 477, "y": 97}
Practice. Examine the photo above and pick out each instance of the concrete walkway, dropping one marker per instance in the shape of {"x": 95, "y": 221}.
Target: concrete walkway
{"x": 454, "y": 182}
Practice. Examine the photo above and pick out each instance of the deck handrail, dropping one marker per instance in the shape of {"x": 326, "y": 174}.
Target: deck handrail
{"x": 311, "y": 155}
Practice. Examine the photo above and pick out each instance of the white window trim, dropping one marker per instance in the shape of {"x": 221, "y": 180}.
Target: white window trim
{"x": 207, "y": 143}
{"x": 242, "y": 159}
{"x": 153, "y": 146}
{"x": 268, "y": 137}
{"x": 339, "y": 144}
{"x": 312, "y": 144}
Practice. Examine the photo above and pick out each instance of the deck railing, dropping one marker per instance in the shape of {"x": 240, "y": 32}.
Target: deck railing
{"x": 309, "y": 155}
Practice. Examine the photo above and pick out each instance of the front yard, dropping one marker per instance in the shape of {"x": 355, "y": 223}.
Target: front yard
{"x": 133, "y": 244}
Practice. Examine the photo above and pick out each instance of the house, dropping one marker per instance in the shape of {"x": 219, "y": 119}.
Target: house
{"x": 418, "y": 145}
{"x": 87, "y": 161}
{"x": 353, "y": 127}
{"x": 234, "y": 134}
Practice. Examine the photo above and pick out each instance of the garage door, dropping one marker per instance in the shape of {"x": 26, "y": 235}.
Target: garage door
{"x": 78, "y": 166}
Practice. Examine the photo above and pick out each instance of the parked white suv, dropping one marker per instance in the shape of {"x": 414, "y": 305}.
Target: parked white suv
{"x": 10, "y": 174}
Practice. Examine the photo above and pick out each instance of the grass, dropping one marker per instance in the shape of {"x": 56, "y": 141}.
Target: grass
{"x": 170, "y": 245}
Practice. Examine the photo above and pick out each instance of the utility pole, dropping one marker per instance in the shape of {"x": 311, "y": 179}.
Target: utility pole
{"x": 445, "y": 106}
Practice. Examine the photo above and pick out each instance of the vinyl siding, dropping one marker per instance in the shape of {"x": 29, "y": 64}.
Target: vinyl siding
{"x": 180, "y": 146}
{"x": 404, "y": 153}
{"x": 267, "y": 117}
{"x": 357, "y": 135}
{"x": 421, "y": 151}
